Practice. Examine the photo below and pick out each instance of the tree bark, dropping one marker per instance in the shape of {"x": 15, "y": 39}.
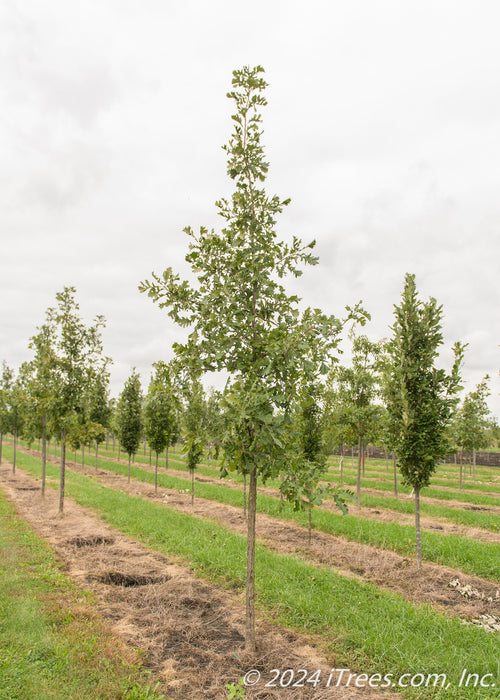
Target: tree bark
{"x": 192, "y": 487}
{"x": 62, "y": 470}
{"x": 129, "y": 468}
{"x": 245, "y": 495}
{"x": 309, "y": 524}
{"x": 83, "y": 455}
{"x": 341, "y": 465}
{"x": 96, "y": 454}
{"x": 15, "y": 452}
{"x": 417, "y": 527}
{"x": 474, "y": 465}
{"x": 156, "y": 473}
{"x": 461, "y": 467}
{"x": 358, "y": 481}
{"x": 166, "y": 459}
{"x": 250, "y": 585}
{"x": 44, "y": 453}
{"x": 395, "y": 474}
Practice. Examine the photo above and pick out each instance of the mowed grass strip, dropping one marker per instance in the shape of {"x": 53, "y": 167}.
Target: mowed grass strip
{"x": 52, "y": 644}
{"x": 365, "y": 628}
{"x": 477, "y": 558}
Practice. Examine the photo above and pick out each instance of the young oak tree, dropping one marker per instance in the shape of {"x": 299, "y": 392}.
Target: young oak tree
{"x": 129, "y": 416}
{"x": 76, "y": 358}
{"x": 6, "y": 383}
{"x": 420, "y": 397}
{"x": 472, "y": 423}
{"x": 244, "y": 321}
{"x": 195, "y": 427}
{"x": 355, "y": 389}
{"x": 300, "y": 484}
{"x": 161, "y": 411}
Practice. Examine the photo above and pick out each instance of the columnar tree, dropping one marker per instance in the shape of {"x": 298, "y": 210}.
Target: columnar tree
{"x": 244, "y": 321}
{"x": 129, "y": 416}
{"x": 98, "y": 408}
{"x": 420, "y": 396}
{"x": 161, "y": 412}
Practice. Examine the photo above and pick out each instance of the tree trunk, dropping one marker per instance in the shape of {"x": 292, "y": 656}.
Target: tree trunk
{"x": 386, "y": 461}
{"x": 166, "y": 460}
{"x": 192, "y": 488}
{"x": 150, "y": 456}
{"x": 461, "y": 467}
{"x": 341, "y": 465}
{"x": 156, "y": 473}
{"x": 96, "y": 454}
{"x": 352, "y": 457}
{"x": 245, "y": 495}
{"x": 83, "y": 455}
{"x": 309, "y": 524}
{"x": 15, "y": 452}
{"x": 1, "y": 443}
{"x": 474, "y": 465}
{"x": 358, "y": 482}
{"x": 62, "y": 470}
{"x": 129, "y": 468}
{"x": 144, "y": 446}
{"x": 44, "y": 453}
{"x": 417, "y": 527}
{"x": 250, "y": 587}
{"x": 395, "y": 474}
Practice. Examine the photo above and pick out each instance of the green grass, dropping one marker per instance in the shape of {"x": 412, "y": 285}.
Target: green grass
{"x": 477, "y": 558}
{"x": 52, "y": 644}
{"x": 471, "y": 518}
{"x": 365, "y": 628}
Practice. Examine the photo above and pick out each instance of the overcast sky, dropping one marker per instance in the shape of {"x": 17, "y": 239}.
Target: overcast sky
{"x": 383, "y": 126}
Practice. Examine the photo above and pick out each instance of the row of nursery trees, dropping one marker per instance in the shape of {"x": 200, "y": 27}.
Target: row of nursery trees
{"x": 287, "y": 401}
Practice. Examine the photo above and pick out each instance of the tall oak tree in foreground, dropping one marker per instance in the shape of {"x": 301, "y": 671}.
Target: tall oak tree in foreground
{"x": 420, "y": 397}
{"x": 243, "y": 320}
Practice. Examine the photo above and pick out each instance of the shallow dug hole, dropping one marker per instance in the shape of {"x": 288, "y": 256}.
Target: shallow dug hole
{"x": 115, "y": 578}
{"x": 92, "y": 541}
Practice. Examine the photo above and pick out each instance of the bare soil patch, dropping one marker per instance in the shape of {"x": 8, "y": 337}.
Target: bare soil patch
{"x": 191, "y": 631}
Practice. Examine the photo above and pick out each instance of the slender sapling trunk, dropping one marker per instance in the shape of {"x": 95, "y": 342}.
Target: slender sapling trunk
{"x": 62, "y": 470}
{"x": 417, "y": 527}
{"x": 44, "y": 453}
{"x": 156, "y": 473}
{"x": 250, "y": 583}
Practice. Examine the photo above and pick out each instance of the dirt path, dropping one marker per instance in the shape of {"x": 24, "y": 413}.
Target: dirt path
{"x": 191, "y": 631}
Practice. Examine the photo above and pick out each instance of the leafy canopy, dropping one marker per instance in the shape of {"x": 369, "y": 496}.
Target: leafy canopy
{"x": 420, "y": 396}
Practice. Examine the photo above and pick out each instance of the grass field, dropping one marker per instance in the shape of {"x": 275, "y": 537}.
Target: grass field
{"x": 367, "y": 627}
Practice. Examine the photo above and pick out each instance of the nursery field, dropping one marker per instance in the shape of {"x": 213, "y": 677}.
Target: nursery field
{"x": 345, "y": 615}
